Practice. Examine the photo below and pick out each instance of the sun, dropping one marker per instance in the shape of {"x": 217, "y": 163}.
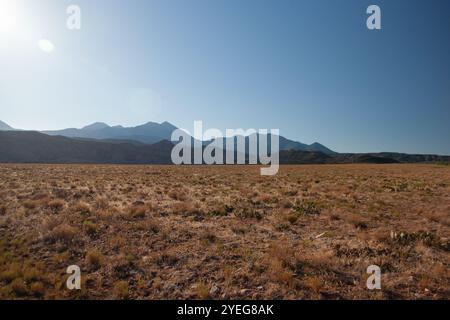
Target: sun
{"x": 9, "y": 17}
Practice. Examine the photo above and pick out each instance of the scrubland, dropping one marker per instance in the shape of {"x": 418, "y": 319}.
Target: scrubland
{"x": 224, "y": 232}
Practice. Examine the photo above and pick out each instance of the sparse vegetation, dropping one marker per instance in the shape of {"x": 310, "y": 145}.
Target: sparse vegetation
{"x": 224, "y": 232}
{"x": 121, "y": 290}
{"x": 94, "y": 258}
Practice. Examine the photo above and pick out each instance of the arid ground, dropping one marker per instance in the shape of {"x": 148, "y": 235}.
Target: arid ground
{"x": 224, "y": 232}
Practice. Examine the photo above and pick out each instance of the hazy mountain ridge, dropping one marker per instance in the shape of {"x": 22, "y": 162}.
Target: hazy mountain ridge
{"x": 152, "y": 132}
{"x": 36, "y": 147}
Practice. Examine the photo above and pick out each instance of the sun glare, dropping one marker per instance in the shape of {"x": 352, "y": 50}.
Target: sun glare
{"x": 9, "y": 17}
{"x": 46, "y": 45}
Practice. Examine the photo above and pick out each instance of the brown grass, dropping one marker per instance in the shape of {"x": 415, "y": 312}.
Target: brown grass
{"x": 224, "y": 232}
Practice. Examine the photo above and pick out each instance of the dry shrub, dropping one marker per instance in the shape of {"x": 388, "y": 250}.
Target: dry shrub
{"x": 19, "y": 288}
{"x": 202, "y": 291}
{"x": 150, "y": 225}
{"x": 249, "y": 213}
{"x": 64, "y": 233}
{"x": 138, "y": 211}
{"x": 308, "y": 208}
{"x": 82, "y": 208}
{"x": 357, "y": 221}
{"x": 407, "y": 238}
{"x": 56, "y": 205}
{"x": 94, "y": 258}
{"x": 267, "y": 198}
{"x": 285, "y": 203}
{"x": 281, "y": 262}
{"x": 30, "y": 273}
{"x": 334, "y": 217}
{"x": 439, "y": 271}
{"x": 90, "y": 227}
{"x": 101, "y": 203}
{"x": 315, "y": 284}
{"x": 166, "y": 258}
{"x": 3, "y": 210}
{"x": 29, "y": 204}
{"x": 292, "y": 218}
{"x": 208, "y": 237}
{"x": 37, "y": 289}
{"x": 178, "y": 195}
{"x": 221, "y": 210}
{"x": 278, "y": 273}
{"x": 121, "y": 290}
{"x": 185, "y": 208}
{"x": 156, "y": 283}
{"x": 109, "y": 214}
{"x": 11, "y": 272}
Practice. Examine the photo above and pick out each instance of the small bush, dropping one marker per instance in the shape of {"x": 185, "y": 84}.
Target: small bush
{"x": 249, "y": 213}
{"x": 82, "y": 208}
{"x": 94, "y": 258}
{"x": 221, "y": 210}
{"x": 19, "y": 288}
{"x": 90, "y": 227}
{"x": 37, "y": 288}
{"x": 29, "y": 204}
{"x": 178, "y": 195}
{"x": 64, "y": 233}
{"x": 358, "y": 222}
{"x": 292, "y": 218}
{"x": 56, "y": 205}
{"x": 12, "y": 272}
{"x": 166, "y": 259}
{"x": 30, "y": 274}
{"x": 202, "y": 291}
{"x": 308, "y": 208}
{"x": 121, "y": 290}
{"x": 138, "y": 212}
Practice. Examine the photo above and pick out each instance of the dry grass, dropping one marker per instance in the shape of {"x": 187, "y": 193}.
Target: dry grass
{"x": 222, "y": 232}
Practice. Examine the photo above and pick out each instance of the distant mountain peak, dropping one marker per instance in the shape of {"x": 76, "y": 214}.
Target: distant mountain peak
{"x": 96, "y": 126}
{"x": 5, "y": 127}
{"x": 151, "y": 123}
{"x": 167, "y": 124}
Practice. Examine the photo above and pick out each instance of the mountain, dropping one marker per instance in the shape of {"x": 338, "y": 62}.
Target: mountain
{"x": 284, "y": 144}
{"x": 35, "y": 147}
{"x": 95, "y": 126}
{"x": 150, "y": 132}
{"x": 5, "y": 127}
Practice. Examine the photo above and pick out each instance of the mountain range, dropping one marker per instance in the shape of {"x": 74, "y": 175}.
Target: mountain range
{"x": 150, "y": 133}
{"x": 150, "y": 144}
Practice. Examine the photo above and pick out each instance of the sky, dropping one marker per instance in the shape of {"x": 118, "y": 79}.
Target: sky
{"x": 310, "y": 68}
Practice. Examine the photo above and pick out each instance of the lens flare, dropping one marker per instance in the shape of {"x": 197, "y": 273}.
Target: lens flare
{"x": 46, "y": 45}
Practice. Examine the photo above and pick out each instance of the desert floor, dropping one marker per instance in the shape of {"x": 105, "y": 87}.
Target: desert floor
{"x": 224, "y": 232}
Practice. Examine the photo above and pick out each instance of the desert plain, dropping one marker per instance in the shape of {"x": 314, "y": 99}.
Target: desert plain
{"x": 224, "y": 232}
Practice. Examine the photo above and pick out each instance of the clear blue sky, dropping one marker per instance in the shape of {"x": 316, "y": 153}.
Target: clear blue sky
{"x": 310, "y": 68}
